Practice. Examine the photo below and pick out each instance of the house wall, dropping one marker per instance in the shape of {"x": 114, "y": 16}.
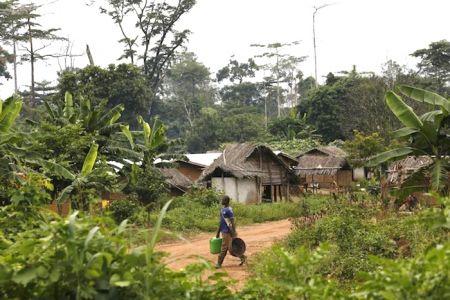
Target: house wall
{"x": 324, "y": 181}
{"x": 241, "y": 190}
{"x": 190, "y": 172}
{"x": 344, "y": 177}
{"x": 359, "y": 174}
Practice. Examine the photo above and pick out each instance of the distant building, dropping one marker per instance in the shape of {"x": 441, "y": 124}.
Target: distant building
{"x": 289, "y": 160}
{"x": 400, "y": 171}
{"x": 250, "y": 173}
{"x": 326, "y": 167}
{"x": 196, "y": 163}
{"x": 178, "y": 183}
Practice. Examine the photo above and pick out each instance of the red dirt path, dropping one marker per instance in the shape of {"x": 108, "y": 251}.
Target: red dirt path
{"x": 256, "y": 237}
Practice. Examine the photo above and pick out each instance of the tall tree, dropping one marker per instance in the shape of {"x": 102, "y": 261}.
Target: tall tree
{"x": 283, "y": 69}
{"x": 435, "y": 61}
{"x": 236, "y": 71}
{"x": 187, "y": 88}
{"x": 5, "y": 58}
{"x": 12, "y": 27}
{"x": 154, "y": 39}
{"x": 240, "y": 89}
{"x": 120, "y": 84}
{"x": 35, "y": 33}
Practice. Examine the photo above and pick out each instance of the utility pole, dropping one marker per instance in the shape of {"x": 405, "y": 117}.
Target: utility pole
{"x": 316, "y": 10}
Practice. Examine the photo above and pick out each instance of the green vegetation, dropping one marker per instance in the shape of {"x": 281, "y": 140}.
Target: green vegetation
{"x": 358, "y": 251}
{"x": 84, "y": 257}
{"x": 199, "y": 211}
{"x": 105, "y": 131}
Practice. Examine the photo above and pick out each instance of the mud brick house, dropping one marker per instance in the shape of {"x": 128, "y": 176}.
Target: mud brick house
{"x": 250, "y": 173}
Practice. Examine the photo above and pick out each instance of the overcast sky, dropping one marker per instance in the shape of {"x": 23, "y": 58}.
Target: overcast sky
{"x": 365, "y": 33}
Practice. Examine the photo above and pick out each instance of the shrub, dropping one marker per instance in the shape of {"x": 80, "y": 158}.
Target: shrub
{"x": 353, "y": 237}
{"x": 285, "y": 275}
{"x": 86, "y": 258}
{"x": 123, "y": 209}
{"x": 424, "y": 277}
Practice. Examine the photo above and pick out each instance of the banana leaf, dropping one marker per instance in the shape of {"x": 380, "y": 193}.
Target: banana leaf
{"x": 126, "y": 131}
{"x": 430, "y": 132}
{"x": 9, "y": 114}
{"x": 65, "y": 194}
{"x": 147, "y": 131}
{"x": 111, "y": 116}
{"x": 49, "y": 109}
{"x": 388, "y": 155}
{"x": 425, "y": 96}
{"x": 405, "y": 131}
{"x": 402, "y": 111}
{"x": 89, "y": 161}
{"x": 56, "y": 169}
{"x": 439, "y": 175}
{"x": 110, "y": 129}
{"x": 85, "y": 110}
{"x": 432, "y": 116}
{"x": 68, "y": 107}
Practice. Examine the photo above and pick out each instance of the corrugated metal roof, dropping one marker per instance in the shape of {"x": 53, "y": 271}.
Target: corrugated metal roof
{"x": 205, "y": 159}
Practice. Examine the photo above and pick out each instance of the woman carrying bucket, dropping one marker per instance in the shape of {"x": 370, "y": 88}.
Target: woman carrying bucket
{"x": 227, "y": 228}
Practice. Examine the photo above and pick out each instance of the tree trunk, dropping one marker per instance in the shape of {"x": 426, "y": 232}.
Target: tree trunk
{"x": 89, "y": 55}
{"x": 32, "y": 92}
{"x": 16, "y": 89}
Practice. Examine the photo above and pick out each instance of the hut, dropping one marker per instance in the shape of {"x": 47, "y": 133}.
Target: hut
{"x": 288, "y": 160}
{"x": 177, "y": 181}
{"x": 250, "y": 173}
{"x": 324, "y": 167}
{"x": 399, "y": 171}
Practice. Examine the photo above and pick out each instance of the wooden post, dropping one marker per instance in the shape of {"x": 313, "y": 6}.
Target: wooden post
{"x": 288, "y": 193}
{"x": 237, "y": 189}
{"x": 273, "y": 191}
{"x": 280, "y": 190}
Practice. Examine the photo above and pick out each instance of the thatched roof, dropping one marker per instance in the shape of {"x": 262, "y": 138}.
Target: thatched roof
{"x": 291, "y": 161}
{"x": 322, "y": 161}
{"x": 402, "y": 169}
{"x": 234, "y": 162}
{"x": 325, "y": 150}
{"x": 176, "y": 179}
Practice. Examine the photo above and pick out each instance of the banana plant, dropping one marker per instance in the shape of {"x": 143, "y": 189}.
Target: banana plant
{"x": 151, "y": 141}
{"x": 92, "y": 118}
{"x": 427, "y": 134}
{"x": 79, "y": 182}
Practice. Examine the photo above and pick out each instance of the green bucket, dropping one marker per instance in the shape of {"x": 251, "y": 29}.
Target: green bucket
{"x": 215, "y": 244}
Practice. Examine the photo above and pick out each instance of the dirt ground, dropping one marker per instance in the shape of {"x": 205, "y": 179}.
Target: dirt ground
{"x": 256, "y": 237}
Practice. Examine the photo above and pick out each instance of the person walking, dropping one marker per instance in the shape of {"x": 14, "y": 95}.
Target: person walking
{"x": 227, "y": 227}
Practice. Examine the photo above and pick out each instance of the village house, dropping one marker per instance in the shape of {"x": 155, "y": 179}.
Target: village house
{"x": 288, "y": 160}
{"x": 324, "y": 167}
{"x": 178, "y": 183}
{"x": 250, "y": 173}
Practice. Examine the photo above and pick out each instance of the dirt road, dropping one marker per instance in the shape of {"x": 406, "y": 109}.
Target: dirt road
{"x": 256, "y": 237}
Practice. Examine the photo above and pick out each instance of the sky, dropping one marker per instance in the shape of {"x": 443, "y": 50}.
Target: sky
{"x": 365, "y": 33}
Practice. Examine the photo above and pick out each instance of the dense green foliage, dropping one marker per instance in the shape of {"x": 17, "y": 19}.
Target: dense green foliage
{"x": 87, "y": 258}
{"x": 357, "y": 251}
{"x": 425, "y": 135}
